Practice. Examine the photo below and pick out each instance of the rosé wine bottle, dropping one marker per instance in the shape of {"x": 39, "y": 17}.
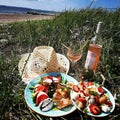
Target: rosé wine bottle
{"x": 94, "y": 51}
{"x": 93, "y": 56}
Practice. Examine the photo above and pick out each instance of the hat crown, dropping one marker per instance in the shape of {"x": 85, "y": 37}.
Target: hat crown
{"x": 44, "y": 52}
{"x": 43, "y": 59}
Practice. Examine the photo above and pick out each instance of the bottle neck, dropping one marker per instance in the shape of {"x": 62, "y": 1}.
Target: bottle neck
{"x": 96, "y": 38}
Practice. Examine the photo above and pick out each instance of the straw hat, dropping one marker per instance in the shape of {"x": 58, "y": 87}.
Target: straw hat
{"x": 43, "y": 59}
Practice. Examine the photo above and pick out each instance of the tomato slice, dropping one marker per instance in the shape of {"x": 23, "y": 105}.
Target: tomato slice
{"x": 82, "y": 83}
{"x": 101, "y": 90}
{"x": 48, "y": 77}
{"x": 109, "y": 103}
{"x": 40, "y": 98}
{"x": 81, "y": 99}
{"x": 75, "y": 88}
{"x": 89, "y": 83}
{"x": 94, "y": 109}
{"x": 41, "y": 88}
{"x": 47, "y": 80}
{"x": 96, "y": 98}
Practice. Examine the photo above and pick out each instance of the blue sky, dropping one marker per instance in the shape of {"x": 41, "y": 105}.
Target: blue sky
{"x": 61, "y": 5}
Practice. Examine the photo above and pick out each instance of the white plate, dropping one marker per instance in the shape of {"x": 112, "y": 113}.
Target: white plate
{"x": 103, "y": 114}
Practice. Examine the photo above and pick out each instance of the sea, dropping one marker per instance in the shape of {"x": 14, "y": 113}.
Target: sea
{"x": 21, "y": 10}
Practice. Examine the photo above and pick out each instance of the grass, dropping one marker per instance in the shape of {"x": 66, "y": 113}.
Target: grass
{"x": 22, "y": 37}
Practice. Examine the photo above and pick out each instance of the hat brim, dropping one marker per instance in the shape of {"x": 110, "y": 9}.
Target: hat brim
{"x": 62, "y": 60}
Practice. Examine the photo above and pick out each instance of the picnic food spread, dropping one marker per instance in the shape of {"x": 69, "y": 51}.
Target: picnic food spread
{"x": 91, "y": 97}
{"x": 52, "y": 92}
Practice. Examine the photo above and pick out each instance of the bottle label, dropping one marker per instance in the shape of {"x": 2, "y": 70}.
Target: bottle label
{"x": 90, "y": 60}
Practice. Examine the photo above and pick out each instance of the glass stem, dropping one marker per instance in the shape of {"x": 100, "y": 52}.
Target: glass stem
{"x": 72, "y": 71}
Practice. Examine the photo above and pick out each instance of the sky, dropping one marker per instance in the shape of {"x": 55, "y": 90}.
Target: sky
{"x": 61, "y": 5}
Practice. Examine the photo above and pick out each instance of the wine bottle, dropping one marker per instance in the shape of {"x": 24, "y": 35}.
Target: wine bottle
{"x": 94, "y": 51}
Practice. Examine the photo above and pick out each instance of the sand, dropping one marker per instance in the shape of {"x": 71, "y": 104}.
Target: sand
{"x": 8, "y": 18}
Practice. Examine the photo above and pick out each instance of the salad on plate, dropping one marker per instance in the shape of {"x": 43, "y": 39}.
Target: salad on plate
{"x": 51, "y": 91}
{"x": 49, "y": 94}
{"x": 92, "y": 98}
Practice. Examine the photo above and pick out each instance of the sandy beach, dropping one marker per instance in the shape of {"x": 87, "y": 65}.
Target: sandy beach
{"x": 8, "y": 18}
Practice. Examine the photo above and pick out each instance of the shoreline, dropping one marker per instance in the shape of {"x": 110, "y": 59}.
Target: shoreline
{"x": 9, "y": 18}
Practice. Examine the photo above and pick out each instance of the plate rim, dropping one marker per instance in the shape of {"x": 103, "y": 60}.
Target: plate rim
{"x": 40, "y": 76}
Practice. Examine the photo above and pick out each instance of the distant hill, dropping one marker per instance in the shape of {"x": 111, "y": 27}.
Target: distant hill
{"x": 22, "y": 10}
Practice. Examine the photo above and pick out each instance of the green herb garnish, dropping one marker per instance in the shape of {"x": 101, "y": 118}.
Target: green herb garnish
{"x": 93, "y": 93}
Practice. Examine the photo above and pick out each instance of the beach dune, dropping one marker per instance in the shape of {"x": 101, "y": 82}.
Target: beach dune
{"x": 8, "y": 18}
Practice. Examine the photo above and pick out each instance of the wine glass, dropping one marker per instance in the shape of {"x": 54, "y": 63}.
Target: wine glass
{"x": 74, "y": 54}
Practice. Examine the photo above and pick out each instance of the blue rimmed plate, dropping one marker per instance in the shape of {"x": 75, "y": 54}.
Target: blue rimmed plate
{"x": 52, "y": 112}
